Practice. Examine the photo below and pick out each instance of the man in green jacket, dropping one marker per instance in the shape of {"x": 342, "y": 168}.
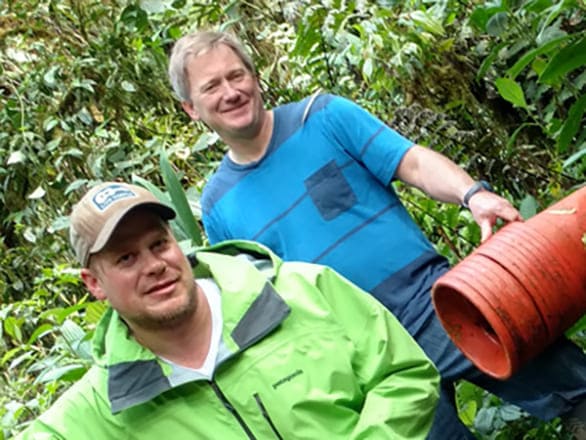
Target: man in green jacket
{"x": 251, "y": 348}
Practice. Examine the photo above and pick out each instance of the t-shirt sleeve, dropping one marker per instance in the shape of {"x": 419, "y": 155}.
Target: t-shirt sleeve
{"x": 366, "y": 138}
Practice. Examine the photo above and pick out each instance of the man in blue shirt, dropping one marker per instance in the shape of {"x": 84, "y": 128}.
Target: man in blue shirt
{"x": 311, "y": 180}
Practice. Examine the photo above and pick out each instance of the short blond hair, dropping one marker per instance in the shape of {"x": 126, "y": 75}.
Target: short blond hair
{"x": 195, "y": 44}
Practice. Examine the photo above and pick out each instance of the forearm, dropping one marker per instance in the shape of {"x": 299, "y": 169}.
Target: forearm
{"x": 445, "y": 181}
{"x": 434, "y": 174}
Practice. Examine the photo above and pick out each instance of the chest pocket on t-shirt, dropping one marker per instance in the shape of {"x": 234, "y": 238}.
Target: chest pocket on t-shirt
{"x": 330, "y": 191}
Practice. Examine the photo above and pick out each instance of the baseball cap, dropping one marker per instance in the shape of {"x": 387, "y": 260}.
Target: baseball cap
{"x": 95, "y": 217}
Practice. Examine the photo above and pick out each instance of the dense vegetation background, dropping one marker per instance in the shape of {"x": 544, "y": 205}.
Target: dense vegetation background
{"x": 498, "y": 86}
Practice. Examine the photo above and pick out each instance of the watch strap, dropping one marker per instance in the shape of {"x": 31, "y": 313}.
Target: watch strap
{"x": 481, "y": 185}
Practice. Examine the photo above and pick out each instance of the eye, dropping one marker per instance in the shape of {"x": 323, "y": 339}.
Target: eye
{"x": 124, "y": 260}
{"x": 237, "y": 75}
{"x": 161, "y": 244}
{"x": 209, "y": 87}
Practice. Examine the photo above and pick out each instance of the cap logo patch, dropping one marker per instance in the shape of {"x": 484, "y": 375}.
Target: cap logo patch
{"x": 110, "y": 194}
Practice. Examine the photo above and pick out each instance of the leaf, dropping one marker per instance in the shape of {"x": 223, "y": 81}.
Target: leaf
{"x": 532, "y": 54}
{"x": 49, "y": 77}
{"x": 484, "y": 419}
{"x": 135, "y": 18}
{"x": 52, "y": 145}
{"x": 16, "y": 157}
{"x": 367, "y": 68}
{"x": 128, "y": 86}
{"x": 94, "y": 311}
{"x": 86, "y": 84}
{"x": 553, "y": 12}
{"x": 75, "y": 337}
{"x": 580, "y": 325}
{"x": 427, "y": 22}
{"x": 572, "y": 124}
{"x": 574, "y": 157}
{"x": 511, "y": 91}
{"x": 38, "y": 193}
{"x": 40, "y": 332}
{"x": 75, "y": 185}
{"x": 67, "y": 372}
{"x": 528, "y": 207}
{"x": 155, "y": 6}
{"x": 468, "y": 413}
{"x": 204, "y": 141}
{"x": 497, "y": 24}
{"x": 85, "y": 116}
{"x": 20, "y": 359}
{"x": 565, "y": 61}
{"x": 513, "y": 137}
{"x": 10, "y": 354}
{"x": 50, "y": 123}
{"x": 12, "y": 328}
{"x": 184, "y": 213}
{"x": 481, "y": 16}
{"x": 510, "y": 413}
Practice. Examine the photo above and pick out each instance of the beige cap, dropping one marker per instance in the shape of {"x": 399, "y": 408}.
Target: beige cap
{"x": 95, "y": 217}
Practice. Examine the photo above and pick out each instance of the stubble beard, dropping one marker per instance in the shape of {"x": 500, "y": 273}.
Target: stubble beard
{"x": 169, "y": 319}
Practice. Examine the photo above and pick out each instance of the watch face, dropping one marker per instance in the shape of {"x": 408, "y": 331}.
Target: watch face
{"x": 486, "y": 185}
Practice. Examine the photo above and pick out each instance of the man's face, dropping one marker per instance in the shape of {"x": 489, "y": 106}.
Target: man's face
{"x": 224, "y": 94}
{"x": 143, "y": 273}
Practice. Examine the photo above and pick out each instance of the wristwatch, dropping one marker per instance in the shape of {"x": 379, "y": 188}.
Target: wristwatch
{"x": 481, "y": 185}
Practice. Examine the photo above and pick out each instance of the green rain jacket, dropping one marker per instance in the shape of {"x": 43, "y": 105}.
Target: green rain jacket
{"x": 312, "y": 357}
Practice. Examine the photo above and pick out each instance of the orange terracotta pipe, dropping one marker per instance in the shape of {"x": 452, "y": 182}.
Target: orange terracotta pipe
{"x": 520, "y": 290}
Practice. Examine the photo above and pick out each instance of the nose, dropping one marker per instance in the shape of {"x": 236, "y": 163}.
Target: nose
{"x": 231, "y": 93}
{"x": 154, "y": 265}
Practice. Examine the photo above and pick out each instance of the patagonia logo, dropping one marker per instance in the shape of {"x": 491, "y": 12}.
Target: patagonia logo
{"x": 110, "y": 194}
{"x": 287, "y": 379}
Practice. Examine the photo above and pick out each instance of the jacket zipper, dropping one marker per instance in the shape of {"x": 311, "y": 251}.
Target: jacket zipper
{"x": 231, "y": 409}
{"x": 265, "y": 414}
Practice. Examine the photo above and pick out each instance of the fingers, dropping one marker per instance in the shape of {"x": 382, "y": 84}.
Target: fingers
{"x": 504, "y": 210}
{"x": 485, "y": 230}
{"x": 487, "y": 207}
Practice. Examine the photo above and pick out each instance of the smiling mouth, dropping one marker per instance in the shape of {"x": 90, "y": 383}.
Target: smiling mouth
{"x": 236, "y": 108}
{"x": 162, "y": 288}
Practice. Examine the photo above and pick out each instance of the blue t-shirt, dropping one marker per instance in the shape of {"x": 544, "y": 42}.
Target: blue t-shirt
{"x": 322, "y": 194}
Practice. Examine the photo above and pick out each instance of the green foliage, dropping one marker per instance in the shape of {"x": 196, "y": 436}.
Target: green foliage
{"x": 44, "y": 345}
{"x": 537, "y": 52}
{"x": 491, "y": 419}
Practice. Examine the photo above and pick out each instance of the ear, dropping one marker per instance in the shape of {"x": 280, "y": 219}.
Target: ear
{"x": 191, "y": 110}
{"x": 92, "y": 283}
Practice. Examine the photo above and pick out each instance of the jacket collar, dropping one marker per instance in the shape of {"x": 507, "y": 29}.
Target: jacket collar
{"x": 134, "y": 382}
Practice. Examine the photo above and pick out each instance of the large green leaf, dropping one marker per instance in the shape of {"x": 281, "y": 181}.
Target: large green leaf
{"x": 185, "y": 216}
{"x": 572, "y": 124}
{"x": 511, "y": 91}
{"x": 498, "y": 23}
{"x": 532, "y": 54}
{"x": 66, "y": 373}
{"x": 528, "y": 207}
{"x": 565, "y": 61}
{"x": 482, "y": 14}
{"x": 94, "y": 311}
{"x": 75, "y": 337}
